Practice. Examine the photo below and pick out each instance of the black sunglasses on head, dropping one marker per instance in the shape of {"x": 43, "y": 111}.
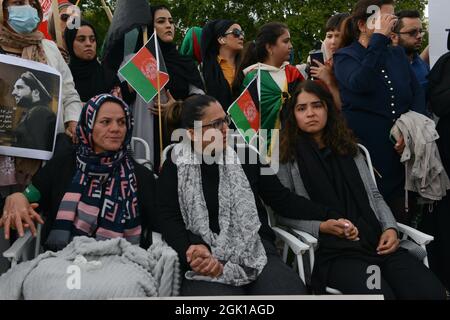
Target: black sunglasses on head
{"x": 236, "y": 33}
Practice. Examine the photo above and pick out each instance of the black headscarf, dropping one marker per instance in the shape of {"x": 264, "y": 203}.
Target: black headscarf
{"x": 182, "y": 69}
{"x": 128, "y": 16}
{"x": 90, "y": 77}
{"x": 216, "y": 84}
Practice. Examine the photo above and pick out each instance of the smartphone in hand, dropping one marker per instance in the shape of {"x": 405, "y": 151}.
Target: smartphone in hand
{"x": 316, "y": 55}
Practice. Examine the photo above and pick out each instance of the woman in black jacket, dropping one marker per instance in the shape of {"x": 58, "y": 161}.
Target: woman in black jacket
{"x": 97, "y": 191}
{"x": 211, "y": 211}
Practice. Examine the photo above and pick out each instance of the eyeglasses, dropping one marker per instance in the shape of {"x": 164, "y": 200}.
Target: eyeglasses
{"x": 414, "y": 33}
{"x": 236, "y": 33}
{"x": 218, "y": 124}
{"x": 64, "y": 17}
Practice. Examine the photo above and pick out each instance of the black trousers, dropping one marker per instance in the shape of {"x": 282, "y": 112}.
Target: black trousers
{"x": 402, "y": 277}
{"x": 437, "y": 224}
{"x": 397, "y": 206}
{"x": 277, "y": 278}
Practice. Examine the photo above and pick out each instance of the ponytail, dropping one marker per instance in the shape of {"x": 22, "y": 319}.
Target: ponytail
{"x": 172, "y": 118}
{"x": 350, "y": 29}
{"x": 349, "y": 32}
{"x": 248, "y": 58}
{"x": 256, "y": 51}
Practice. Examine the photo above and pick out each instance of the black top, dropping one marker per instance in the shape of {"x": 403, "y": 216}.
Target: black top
{"x": 37, "y": 129}
{"x": 55, "y": 177}
{"x": 265, "y": 187}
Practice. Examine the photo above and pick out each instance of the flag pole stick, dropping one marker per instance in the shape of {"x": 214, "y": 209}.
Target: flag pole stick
{"x": 158, "y": 85}
{"x": 145, "y": 34}
{"x": 56, "y": 19}
{"x": 77, "y": 3}
{"x": 260, "y": 107}
{"x": 107, "y": 10}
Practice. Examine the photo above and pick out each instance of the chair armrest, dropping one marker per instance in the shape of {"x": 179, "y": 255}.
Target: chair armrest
{"x": 418, "y": 237}
{"x": 306, "y": 237}
{"x": 297, "y": 246}
{"x": 18, "y": 247}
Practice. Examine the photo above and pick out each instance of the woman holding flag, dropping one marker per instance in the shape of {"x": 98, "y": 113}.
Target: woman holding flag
{"x": 183, "y": 80}
{"x": 269, "y": 53}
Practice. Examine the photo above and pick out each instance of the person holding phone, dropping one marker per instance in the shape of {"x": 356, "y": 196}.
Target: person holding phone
{"x": 377, "y": 85}
{"x": 322, "y": 61}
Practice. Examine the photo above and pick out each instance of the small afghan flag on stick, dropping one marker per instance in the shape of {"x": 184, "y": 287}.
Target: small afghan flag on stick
{"x": 142, "y": 71}
{"x": 245, "y": 111}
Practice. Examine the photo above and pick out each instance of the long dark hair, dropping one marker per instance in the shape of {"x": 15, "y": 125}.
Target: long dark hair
{"x": 349, "y": 29}
{"x": 255, "y": 51}
{"x": 337, "y": 136}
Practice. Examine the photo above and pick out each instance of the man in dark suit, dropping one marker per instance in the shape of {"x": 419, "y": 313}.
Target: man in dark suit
{"x": 36, "y": 128}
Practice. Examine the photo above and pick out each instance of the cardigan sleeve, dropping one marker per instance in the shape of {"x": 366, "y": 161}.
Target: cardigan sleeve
{"x": 360, "y": 76}
{"x": 381, "y": 209}
{"x": 287, "y": 203}
{"x": 310, "y": 226}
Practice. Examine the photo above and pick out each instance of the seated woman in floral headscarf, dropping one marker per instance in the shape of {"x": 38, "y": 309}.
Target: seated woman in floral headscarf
{"x": 97, "y": 191}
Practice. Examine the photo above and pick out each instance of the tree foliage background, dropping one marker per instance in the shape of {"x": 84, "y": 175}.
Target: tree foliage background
{"x": 305, "y": 18}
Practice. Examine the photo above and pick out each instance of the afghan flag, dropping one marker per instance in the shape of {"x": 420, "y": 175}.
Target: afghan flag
{"x": 245, "y": 111}
{"x": 191, "y": 44}
{"x": 46, "y": 6}
{"x": 273, "y": 94}
{"x": 146, "y": 72}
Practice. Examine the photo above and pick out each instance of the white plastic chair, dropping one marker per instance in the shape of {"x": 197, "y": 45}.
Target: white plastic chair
{"x": 145, "y": 161}
{"x": 24, "y": 248}
{"x": 406, "y": 232}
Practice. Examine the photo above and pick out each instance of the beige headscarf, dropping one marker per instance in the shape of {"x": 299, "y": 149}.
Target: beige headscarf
{"x": 30, "y": 44}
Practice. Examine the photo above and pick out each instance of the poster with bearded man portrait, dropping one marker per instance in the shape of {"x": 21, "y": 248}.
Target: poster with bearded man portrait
{"x": 29, "y": 108}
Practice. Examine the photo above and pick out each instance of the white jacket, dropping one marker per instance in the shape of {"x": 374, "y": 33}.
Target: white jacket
{"x": 425, "y": 173}
{"x": 70, "y": 99}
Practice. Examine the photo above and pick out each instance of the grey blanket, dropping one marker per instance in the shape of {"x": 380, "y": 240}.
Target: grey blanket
{"x": 90, "y": 269}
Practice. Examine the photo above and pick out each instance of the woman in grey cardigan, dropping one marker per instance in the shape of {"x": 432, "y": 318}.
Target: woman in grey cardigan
{"x": 320, "y": 161}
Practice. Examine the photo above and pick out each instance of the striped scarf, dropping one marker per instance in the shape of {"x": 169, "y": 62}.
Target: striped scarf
{"x": 101, "y": 201}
